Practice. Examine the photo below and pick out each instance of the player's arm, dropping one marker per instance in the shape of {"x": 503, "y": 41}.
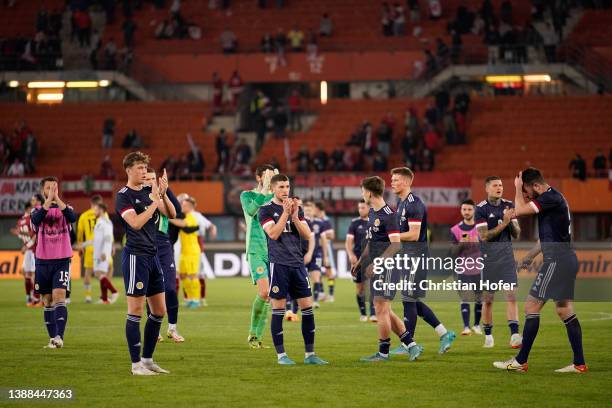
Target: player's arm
{"x": 137, "y": 221}
{"x": 533, "y": 252}
{"x": 80, "y": 230}
{"x": 323, "y": 241}
{"x": 38, "y": 215}
{"x": 210, "y": 228}
{"x": 521, "y": 205}
{"x": 168, "y": 208}
{"x": 252, "y": 205}
{"x": 348, "y": 246}
{"x": 415, "y": 215}
{"x": 311, "y": 247}
{"x": 515, "y": 228}
{"x": 272, "y": 229}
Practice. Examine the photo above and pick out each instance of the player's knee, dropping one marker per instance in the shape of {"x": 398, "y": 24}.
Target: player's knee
{"x": 47, "y": 300}
{"x": 564, "y": 310}
{"x": 511, "y": 297}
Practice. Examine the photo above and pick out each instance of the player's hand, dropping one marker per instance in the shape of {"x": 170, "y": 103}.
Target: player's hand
{"x": 287, "y": 206}
{"x": 163, "y": 186}
{"x": 23, "y": 249}
{"x": 164, "y": 179}
{"x": 508, "y": 215}
{"x": 518, "y": 181}
{"x": 352, "y": 259}
{"x": 103, "y": 257}
{"x": 55, "y": 192}
{"x": 354, "y": 268}
{"x": 154, "y": 188}
{"x": 295, "y": 208}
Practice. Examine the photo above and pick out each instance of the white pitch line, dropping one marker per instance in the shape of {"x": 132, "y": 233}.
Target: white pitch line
{"x": 603, "y": 316}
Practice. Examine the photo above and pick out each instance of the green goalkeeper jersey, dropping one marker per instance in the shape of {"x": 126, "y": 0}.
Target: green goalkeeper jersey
{"x": 256, "y": 241}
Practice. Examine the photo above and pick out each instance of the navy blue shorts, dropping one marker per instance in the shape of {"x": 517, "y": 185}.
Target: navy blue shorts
{"x": 165, "y": 254}
{"x": 556, "y": 279}
{"x": 316, "y": 263}
{"x": 504, "y": 270}
{"x": 49, "y": 275}
{"x": 289, "y": 280}
{"x": 142, "y": 274}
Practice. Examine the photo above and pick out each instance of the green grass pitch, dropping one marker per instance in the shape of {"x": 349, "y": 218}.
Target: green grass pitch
{"x": 214, "y": 367}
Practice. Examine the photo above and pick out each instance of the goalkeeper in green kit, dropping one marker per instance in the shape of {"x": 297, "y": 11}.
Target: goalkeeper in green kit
{"x": 257, "y": 251}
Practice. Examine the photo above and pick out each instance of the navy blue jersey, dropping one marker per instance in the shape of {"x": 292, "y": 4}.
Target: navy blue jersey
{"x": 412, "y": 213}
{"x": 358, "y": 230}
{"x": 491, "y": 216}
{"x": 382, "y": 225}
{"x": 143, "y": 241}
{"x": 304, "y": 241}
{"x": 318, "y": 226}
{"x": 553, "y": 221}
{"x": 287, "y": 249}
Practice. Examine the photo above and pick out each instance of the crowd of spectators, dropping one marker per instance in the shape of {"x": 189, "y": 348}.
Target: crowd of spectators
{"x": 188, "y": 166}
{"x": 419, "y": 139}
{"x": 601, "y": 166}
{"x": 276, "y": 116}
{"x": 18, "y": 151}
{"x": 42, "y": 51}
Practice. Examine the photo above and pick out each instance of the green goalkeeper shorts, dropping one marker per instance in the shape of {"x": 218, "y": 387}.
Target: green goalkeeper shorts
{"x": 258, "y": 267}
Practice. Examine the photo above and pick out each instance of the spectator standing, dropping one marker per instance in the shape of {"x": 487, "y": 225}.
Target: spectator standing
{"x": 236, "y": 87}
{"x": 428, "y": 160}
{"x": 599, "y": 164}
{"x": 108, "y": 133}
{"x": 16, "y": 169}
{"x": 195, "y": 158}
{"x": 223, "y": 149}
{"x": 229, "y": 42}
{"x": 110, "y": 55}
{"x": 29, "y": 151}
{"x": 82, "y": 20}
{"x": 280, "y": 121}
{"x": 106, "y": 169}
{"x": 129, "y": 28}
{"x": 435, "y": 9}
{"x": 386, "y": 20}
{"x": 280, "y": 45}
{"x": 303, "y": 160}
{"x": 325, "y": 26}
{"x": 267, "y": 44}
{"x": 243, "y": 153}
{"x": 217, "y": 99}
{"x": 295, "y": 111}
{"x": 296, "y": 39}
{"x": 550, "y": 40}
{"x": 399, "y": 20}
{"x": 337, "y": 159}
{"x": 578, "y": 167}
{"x": 379, "y": 164}
{"x": 319, "y": 160}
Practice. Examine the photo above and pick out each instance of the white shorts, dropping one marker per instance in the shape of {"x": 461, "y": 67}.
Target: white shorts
{"x": 101, "y": 266}
{"x": 29, "y": 261}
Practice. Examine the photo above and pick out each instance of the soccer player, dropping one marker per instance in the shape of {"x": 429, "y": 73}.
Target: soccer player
{"x": 205, "y": 227}
{"x": 313, "y": 257}
{"x": 139, "y": 207}
{"x": 557, "y": 276}
{"x": 497, "y": 226}
{"x": 284, "y": 224}
{"x": 165, "y": 254}
{"x": 102, "y": 253}
{"x": 412, "y": 220}
{"x": 51, "y": 222}
{"x": 355, "y": 238}
{"x": 189, "y": 263}
{"x": 464, "y": 237}
{"x": 329, "y": 264}
{"x": 85, "y": 235}
{"x": 26, "y": 234}
{"x": 383, "y": 231}
{"x": 257, "y": 251}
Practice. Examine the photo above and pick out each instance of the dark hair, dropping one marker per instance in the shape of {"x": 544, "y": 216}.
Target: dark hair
{"x": 362, "y": 201}
{"x": 28, "y": 205}
{"x": 45, "y": 179}
{"x": 403, "y": 171}
{"x": 96, "y": 199}
{"x": 491, "y": 178}
{"x": 260, "y": 170}
{"x": 102, "y": 206}
{"x": 39, "y": 197}
{"x": 278, "y": 178}
{"x": 374, "y": 185}
{"x": 132, "y": 158}
{"x": 469, "y": 201}
{"x": 532, "y": 175}
{"x": 309, "y": 203}
{"x": 320, "y": 205}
